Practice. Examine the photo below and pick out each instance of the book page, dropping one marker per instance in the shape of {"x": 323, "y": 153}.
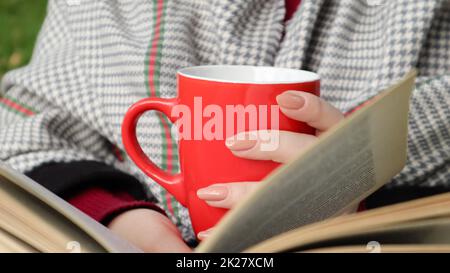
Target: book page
{"x": 51, "y": 222}
{"x": 435, "y": 208}
{"x": 386, "y": 249}
{"x": 31, "y": 221}
{"x": 11, "y": 244}
{"x": 421, "y": 232}
{"x": 346, "y": 165}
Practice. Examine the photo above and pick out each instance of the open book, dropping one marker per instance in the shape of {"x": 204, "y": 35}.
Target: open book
{"x": 293, "y": 210}
{"x": 32, "y": 219}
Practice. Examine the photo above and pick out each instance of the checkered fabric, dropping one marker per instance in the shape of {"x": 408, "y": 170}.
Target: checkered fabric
{"x": 93, "y": 59}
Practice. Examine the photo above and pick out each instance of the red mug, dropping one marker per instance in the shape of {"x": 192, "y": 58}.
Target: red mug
{"x": 222, "y": 98}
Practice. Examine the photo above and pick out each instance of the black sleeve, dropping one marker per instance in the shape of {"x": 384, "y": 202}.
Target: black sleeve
{"x": 64, "y": 179}
{"x": 388, "y": 196}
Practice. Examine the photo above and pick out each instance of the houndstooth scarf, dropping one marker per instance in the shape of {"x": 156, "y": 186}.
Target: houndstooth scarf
{"x": 93, "y": 59}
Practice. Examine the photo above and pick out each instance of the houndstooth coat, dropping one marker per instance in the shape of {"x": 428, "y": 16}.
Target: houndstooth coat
{"x": 93, "y": 59}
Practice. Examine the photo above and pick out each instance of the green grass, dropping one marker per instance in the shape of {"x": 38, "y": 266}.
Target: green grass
{"x": 20, "y": 22}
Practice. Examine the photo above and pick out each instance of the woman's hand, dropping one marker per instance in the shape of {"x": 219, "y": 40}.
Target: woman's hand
{"x": 149, "y": 230}
{"x": 296, "y": 105}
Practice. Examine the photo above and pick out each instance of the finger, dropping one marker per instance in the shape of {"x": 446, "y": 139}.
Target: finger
{"x": 133, "y": 225}
{"x": 226, "y": 195}
{"x": 278, "y": 146}
{"x": 306, "y": 107}
{"x": 202, "y": 235}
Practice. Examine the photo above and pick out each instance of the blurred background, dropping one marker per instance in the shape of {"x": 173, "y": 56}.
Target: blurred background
{"x": 20, "y": 21}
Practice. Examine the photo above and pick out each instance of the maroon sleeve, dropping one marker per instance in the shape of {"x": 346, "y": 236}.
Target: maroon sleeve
{"x": 103, "y": 205}
{"x": 97, "y": 189}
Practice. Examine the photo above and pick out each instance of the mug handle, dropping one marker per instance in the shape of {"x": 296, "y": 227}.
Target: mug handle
{"x": 173, "y": 183}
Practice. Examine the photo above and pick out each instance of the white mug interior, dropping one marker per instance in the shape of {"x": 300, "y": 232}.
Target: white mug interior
{"x": 248, "y": 74}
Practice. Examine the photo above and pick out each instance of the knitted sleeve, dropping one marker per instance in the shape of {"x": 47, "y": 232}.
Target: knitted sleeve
{"x": 48, "y": 119}
{"x": 99, "y": 190}
{"x": 427, "y": 169}
{"x": 37, "y": 122}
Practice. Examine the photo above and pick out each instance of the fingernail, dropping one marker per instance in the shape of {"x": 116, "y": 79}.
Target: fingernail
{"x": 213, "y": 193}
{"x": 291, "y": 101}
{"x": 240, "y": 144}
